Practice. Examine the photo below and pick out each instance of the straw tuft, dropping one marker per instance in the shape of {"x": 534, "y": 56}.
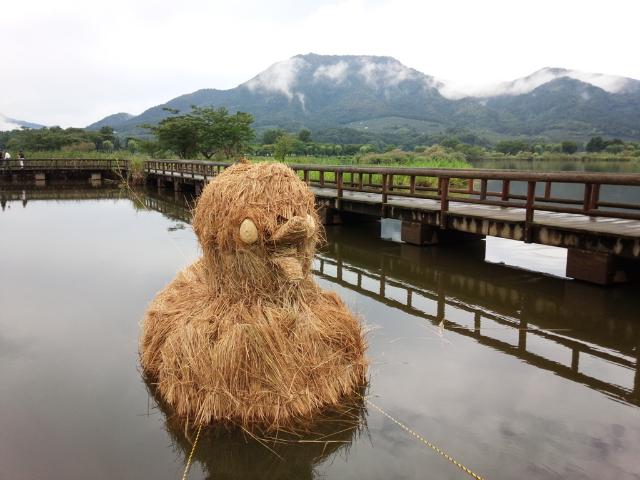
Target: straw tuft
{"x": 244, "y": 336}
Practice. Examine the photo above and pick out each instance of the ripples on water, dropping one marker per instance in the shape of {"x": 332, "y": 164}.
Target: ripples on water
{"x": 516, "y": 374}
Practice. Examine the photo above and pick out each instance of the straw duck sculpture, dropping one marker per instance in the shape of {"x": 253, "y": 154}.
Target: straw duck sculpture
{"x": 244, "y": 336}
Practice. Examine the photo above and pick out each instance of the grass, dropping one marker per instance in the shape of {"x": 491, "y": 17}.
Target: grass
{"x": 434, "y": 157}
{"x": 431, "y": 158}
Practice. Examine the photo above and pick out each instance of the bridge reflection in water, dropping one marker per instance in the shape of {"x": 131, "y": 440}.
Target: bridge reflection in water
{"x": 579, "y": 332}
{"x": 540, "y": 320}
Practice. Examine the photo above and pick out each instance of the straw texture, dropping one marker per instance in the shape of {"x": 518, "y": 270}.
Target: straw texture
{"x": 244, "y": 336}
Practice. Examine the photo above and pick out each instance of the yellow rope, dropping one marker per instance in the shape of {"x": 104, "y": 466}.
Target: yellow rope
{"x": 193, "y": 450}
{"x": 433, "y": 447}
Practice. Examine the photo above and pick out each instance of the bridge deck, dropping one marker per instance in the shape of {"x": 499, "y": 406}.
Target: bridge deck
{"x": 566, "y": 221}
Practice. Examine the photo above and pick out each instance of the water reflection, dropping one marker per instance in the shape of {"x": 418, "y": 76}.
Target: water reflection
{"x": 549, "y": 323}
{"x": 237, "y": 454}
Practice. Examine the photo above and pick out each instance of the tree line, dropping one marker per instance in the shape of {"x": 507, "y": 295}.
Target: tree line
{"x": 594, "y": 145}
{"x": 57, "y": 138}
{"x": 208, "y": 132}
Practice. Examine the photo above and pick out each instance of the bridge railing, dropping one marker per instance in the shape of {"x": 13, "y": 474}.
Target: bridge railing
{"x": 472, "y": 186}
{"x": 51, "y": 164}
{"x": 185, "y": 168}
{"x": 533, "y": 190}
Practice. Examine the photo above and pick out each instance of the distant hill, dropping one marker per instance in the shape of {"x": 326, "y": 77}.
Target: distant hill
{"x": 111, "y": 121}
{"x": 7, "y": 123}
{"x": 378, "y": 94}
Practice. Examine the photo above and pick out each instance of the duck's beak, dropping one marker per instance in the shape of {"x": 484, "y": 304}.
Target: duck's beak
{"x": 295, "y": 230}
{"x": 287, "y": 239}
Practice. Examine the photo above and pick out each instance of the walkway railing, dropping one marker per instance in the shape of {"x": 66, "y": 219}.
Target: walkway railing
{"x": 461, "y": 185}
{"x": 531, "y": 191}
{"x": 53, "y": 164}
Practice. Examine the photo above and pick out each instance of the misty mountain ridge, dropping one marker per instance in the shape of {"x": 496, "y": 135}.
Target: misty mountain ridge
{"x": 7, "y": 124}
{"x": 377, "y": 94}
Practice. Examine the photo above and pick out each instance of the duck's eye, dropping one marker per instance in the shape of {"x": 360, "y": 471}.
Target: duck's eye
{"x": 248, "y": 231}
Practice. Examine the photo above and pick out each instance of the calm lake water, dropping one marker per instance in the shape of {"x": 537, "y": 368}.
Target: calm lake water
{"x": 515, "y": 374}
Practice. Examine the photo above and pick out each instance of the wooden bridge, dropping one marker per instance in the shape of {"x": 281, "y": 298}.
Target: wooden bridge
{"x": 600, "y": 229}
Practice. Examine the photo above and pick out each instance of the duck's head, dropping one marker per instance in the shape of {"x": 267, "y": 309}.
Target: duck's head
{"x": 257, "y": 223}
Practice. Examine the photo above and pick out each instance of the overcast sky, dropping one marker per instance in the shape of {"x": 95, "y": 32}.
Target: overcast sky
{"x": 70, "y": 63}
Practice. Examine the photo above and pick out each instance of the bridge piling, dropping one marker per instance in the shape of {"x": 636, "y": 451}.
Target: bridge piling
{"x": 329, "y": 215}
{"x": 416, "y": 233}
{"x": 594, "y": 267}
{"x": 96, "y": 179}
{"x": 40, "y": 179}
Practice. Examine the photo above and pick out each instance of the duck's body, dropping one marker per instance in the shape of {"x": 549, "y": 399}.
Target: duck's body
{"x": 244, "y": 335}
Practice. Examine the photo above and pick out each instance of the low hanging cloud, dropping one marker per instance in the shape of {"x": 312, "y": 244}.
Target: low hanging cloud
{"x": 280, "y": 77}
{"x": 521, "y": 86}
{"x": 388, "y": 73}
{"x": 336, "y": 72}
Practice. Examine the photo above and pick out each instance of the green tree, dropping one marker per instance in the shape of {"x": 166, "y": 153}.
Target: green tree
{"x": 132, "y": 145}
{"x": 220, "y": 132}
{"x": 107, "y": 146}
{"x": 569, "y": 146}
{"x": 614, "y": 148}
{"x": 512, "y": 147}
{"x": 596, "y": 144}
{"x": 304, "y": 135}
{"x": 283, "y": 146}
{"x": 270, "y": 137}
{"x": 178, "y": 134}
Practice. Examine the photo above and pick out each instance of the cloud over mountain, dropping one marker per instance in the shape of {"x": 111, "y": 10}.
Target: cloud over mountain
{"x": 524, "y": 85}
{"x": 373, "y": 92}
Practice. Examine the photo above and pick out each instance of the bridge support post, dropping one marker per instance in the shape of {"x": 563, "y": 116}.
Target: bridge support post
{"x": 593, "y": 267}
{"x": 40, "y": 179}
{"x": 177, "y": 186}
{"x": 416, "y": 233}
{"x": 96, "y": 179}
{"x": 329, "y": 215}
{"x": 198, "y": 189}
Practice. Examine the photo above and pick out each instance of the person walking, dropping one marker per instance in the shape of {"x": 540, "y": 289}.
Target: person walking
{"x": 21, "y": 158}
{"x": 7, "y": 158}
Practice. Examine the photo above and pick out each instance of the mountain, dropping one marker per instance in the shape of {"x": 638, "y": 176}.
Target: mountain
{"x": 111, "y": 121}
{"x": 380, "y": 94}
{"x": 7, "y": 124}
{"x": 609, "y": 83}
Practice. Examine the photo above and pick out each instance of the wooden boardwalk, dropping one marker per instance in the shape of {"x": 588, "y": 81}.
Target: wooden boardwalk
{"x": 441, "y": 205}
{"x": 569, "y": 221}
